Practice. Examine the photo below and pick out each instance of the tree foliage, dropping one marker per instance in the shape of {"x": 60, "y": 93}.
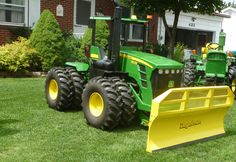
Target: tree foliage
{"x": 48, "y": 40}
{"x": 18, "y": 56}
{"x": 102, "y": 35}
{"x": 179, "y": 52}
{"x": 72, "y": 46}
{"x": 160, "y": 7}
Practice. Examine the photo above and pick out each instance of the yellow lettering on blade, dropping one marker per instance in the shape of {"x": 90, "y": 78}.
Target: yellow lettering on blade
{"x": 186, "y": 125}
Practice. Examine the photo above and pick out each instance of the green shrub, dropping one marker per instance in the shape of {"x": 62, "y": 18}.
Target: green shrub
{"x": 102, "y": 35}
{"x": 48, "y": 40}
{"x": 72, "y": 46}
{"x": 18, "y": 56}
{"x": 158, "y": 49}
{"x": 179, "y": 52}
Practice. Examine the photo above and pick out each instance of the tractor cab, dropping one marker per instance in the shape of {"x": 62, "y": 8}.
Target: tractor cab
{"x": 151, "y": 74}
{"x": 119, "y": 33}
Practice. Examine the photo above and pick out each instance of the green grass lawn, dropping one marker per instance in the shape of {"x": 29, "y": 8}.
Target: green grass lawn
{"x": 30, "y": 131}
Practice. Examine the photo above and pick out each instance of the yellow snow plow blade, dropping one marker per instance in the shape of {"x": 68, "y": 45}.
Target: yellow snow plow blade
{"x": 183, "y": 115}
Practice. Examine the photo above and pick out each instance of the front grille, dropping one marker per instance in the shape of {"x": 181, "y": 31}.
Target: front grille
{"x": 163, "y": 82}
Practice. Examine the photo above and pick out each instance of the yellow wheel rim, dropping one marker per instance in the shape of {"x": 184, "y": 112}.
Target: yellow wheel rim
{"x": 233, "y": 85}
{"x": 96, "y": 104}
{"x": 53, "y": 89}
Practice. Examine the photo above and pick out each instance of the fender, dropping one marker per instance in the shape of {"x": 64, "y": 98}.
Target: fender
{"x": 80, "y": 66}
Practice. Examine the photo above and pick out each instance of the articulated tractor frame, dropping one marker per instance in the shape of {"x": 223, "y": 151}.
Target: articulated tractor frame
{"x": 122, "y": 82}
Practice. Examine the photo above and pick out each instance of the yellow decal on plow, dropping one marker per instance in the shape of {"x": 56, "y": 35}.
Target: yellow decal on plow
{"x": 183, "y": 115}
{"x": 134, "y": 59}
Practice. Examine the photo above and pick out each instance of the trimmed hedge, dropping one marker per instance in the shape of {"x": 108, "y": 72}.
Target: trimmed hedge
{"x": 48, "y": 40}
{"x": 19, "y": 56}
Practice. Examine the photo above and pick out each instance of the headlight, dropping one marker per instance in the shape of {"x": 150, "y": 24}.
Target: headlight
{"x": 172, "y": 71}
{"x": 160, "y": 71}
{"x": 177, "y": 71}
{"x": 167, "y": 71}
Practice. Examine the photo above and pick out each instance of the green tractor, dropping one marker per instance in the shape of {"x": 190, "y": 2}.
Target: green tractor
{"x": 117, "y": 85}
{"x": 213, "y": 67}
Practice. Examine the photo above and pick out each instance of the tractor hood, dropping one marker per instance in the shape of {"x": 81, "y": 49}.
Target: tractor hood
{"x": 153, "y": 60}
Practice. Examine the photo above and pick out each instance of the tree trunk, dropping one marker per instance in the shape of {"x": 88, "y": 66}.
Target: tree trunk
{"x": 171, "y": 47}
{"x": 171, "y": 33}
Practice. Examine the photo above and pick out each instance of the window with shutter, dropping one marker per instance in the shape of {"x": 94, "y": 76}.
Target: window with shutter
{"x": 12, "y": 11}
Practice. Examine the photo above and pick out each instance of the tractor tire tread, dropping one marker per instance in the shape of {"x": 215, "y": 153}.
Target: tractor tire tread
{"x": 189, "y": 74}
{"x": 63, "y": 101}
{"x": 113, "y": 115}
{"x": 128, "y": 104}
{"x": 78, "y": 83}
{"x": 232, "y": 76}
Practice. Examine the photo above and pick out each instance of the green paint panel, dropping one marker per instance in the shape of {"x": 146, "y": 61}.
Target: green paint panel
{"x": 154, "y": 60}
{"x": 95, "y": 53}
{"x": 144, "y": 97}
{"x": 140, "y": 66}
{"x": 216, "y": 64}
{"x": 83, "y": 67}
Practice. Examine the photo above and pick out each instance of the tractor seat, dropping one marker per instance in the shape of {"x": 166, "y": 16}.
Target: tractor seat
{"x": 104, "y": 63}
{"x": 216, "y": 64}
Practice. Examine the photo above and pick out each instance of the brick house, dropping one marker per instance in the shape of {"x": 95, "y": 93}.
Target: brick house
{"x": 15, "y": 14}
{"x": 194, "y": 30}
{"x": 72, "y": 15}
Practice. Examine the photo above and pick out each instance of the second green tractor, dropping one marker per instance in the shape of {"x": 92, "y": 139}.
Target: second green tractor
{"x": 213, "y": 67}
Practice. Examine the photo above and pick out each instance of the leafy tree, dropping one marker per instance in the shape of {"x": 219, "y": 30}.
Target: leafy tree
{"x": 102, "y": 35}
{"x": 47, "y": 38}
{"x": 176, "y": 6}
{"x": 72, "y": 46}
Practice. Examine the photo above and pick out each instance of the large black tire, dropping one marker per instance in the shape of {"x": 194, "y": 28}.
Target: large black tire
{"x": 58, "y": 89}
{"x": 78, "y": 83}
{"x": 127, "y": 99}
{"x": 101, "y": 104}
{"x": 232, "y": 78}
{"x": 189, "y": 74}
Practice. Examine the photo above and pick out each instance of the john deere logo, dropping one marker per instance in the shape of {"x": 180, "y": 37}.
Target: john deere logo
{"x": 171, "y": 84}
